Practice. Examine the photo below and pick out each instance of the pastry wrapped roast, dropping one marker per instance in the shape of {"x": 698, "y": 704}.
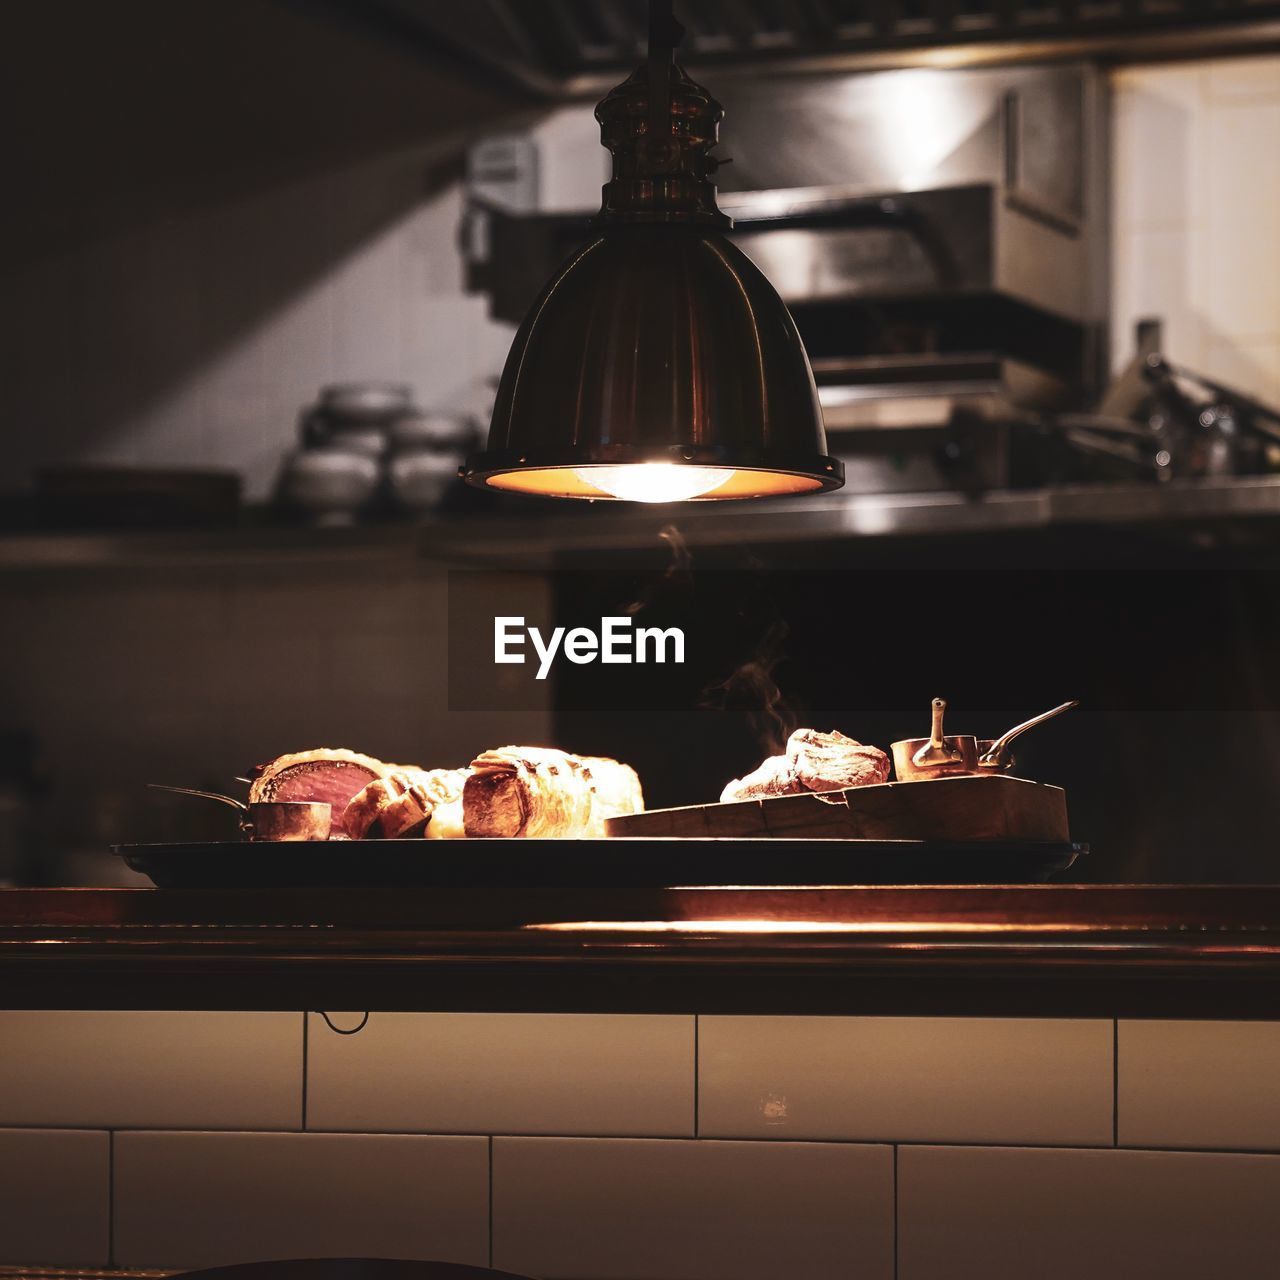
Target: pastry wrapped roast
{"x": 329, "y": 775}
{"x": 402, "y": 804}
{"x": 813, "y": 761}
{"x": 538, "y": 792}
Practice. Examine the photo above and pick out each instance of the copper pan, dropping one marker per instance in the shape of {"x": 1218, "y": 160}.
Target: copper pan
{"x": 937, "y": 756}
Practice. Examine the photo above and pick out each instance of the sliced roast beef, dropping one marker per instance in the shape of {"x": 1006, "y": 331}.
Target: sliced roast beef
{"x": 328, "y": 774}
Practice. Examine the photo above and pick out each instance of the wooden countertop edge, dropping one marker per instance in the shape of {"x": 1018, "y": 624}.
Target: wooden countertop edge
{"x": 1234, "y": 909}
{"x": 1202, "y": 951}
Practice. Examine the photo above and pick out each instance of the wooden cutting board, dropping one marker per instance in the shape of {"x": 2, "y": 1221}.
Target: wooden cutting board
{"x": 953, "y": 809}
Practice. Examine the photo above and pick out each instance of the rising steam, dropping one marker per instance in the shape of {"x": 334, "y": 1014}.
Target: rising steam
{"x": 678, "y": 573}
{"x": 752, "y": 689}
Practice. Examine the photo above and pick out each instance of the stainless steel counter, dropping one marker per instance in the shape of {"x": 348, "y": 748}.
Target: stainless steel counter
{"x": 533, "y": 539}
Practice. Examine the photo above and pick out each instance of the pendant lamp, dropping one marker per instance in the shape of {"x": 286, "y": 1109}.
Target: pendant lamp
{"x": 659, "y": 364}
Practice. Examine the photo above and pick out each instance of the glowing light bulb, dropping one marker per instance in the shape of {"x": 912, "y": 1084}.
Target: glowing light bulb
{"x": 654, "y": 481}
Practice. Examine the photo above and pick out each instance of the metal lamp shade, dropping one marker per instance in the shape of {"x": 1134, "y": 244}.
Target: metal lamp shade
{"x": 657, "y": 344}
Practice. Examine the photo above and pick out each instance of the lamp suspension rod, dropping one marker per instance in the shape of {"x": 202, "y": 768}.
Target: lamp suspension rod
{"x": 665, "y": 33}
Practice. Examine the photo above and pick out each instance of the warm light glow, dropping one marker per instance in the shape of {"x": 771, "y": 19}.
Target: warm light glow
{"x": 739, "y": 925}
{"x": 580, "y": 482}
{"x": 655, "y": 481}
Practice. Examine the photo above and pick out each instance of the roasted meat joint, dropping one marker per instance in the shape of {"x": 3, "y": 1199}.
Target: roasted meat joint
{"x": 513, "y": 791}
{"x": 640, "y": 640}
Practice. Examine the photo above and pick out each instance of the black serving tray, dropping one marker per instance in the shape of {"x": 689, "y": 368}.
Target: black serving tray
{"x": 612, "y": 863}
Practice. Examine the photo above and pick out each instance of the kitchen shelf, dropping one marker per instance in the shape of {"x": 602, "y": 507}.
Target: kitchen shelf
{"x": 533, "y": 541}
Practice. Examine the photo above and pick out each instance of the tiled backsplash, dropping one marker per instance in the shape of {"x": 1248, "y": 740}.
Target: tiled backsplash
{"x": 1198, "y": 1087}
{"x": 608, "y": 1209}
{"x": 1196, "y": 214}
{"x": 55, "y": 1195}
{"x": 173, "y": 1070}
{"x": 644, "y": 1147}
{"x": 198, "y": 341}
{"x": 906, "y": 1079}
{"x": 203, "y": 1199}
{"x": 982, "y": 1213}
{"x": 624, "y": 1075}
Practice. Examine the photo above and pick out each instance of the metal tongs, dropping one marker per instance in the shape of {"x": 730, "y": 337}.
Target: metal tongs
{"x": 997, "y": 757}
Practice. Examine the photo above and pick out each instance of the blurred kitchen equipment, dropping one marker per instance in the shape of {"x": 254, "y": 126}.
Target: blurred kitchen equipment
{"x": 937, "y": 755}
{"x": 367, "y": 447}
{"x": 420, "y": 480}
{"x": 994, "y": 755}
{"x": 355, "y": 416}
{"x": 1160, "y": 421}
{"x": 347, "y": 402}
{"x": 332, "y": 484}
{"x": 425, "y": 450}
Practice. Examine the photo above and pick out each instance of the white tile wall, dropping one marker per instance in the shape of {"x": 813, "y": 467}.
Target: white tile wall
{"x": 1213, "y": 1085}
{"x": 54, "y": 1193}
{"x": 1196, "y": 211}
{"x": 613, "y": 1074}
{"x": 199, "y": 340}
{"x": 207, "y": 1199}
{"x": 970, "y": 1213}
{"x": 1024, "y": 1080}
{"x": 160, "y": 1070}
{"x": 638, "y": 1207}
{"x": 620, "y": 1210}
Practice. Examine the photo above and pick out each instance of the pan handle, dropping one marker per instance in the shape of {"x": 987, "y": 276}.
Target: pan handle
{"x": 937, "y": 751}
{"x": 204, "y": 795}
{"x": 994, "y": 755}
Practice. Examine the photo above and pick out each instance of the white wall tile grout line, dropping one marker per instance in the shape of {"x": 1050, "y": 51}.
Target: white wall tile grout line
{"x": 895, "y": 1211}
{"x": 111, "y": 1197}
{"x": 1115, "y": 1082}
{"x": 993, "y": 1144}
{"x": 306, "y": 1022}
{"x": 697, "y": 1077}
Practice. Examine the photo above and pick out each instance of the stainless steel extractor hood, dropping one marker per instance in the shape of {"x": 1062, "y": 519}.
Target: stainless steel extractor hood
{"x": 564, "y": 48}
{"x": 939, "y": 236}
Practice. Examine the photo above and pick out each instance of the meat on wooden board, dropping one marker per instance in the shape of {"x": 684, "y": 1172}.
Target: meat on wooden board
{"x": 812, "y": 761}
